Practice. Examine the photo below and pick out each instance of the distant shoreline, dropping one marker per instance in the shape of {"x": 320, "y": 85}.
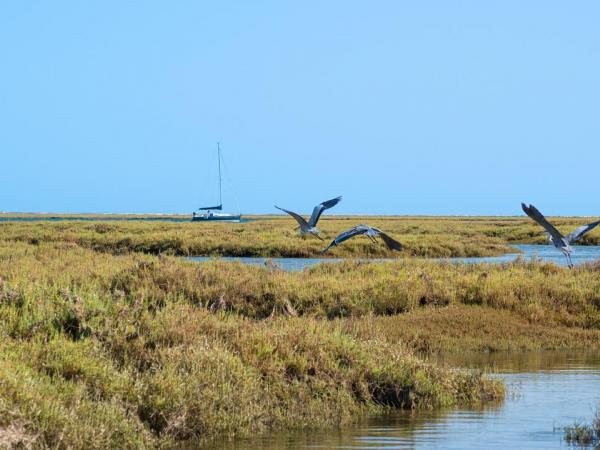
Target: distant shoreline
{"x": 88, "y": 215}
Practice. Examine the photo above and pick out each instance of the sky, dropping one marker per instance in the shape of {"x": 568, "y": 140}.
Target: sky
{"x": 429, "y": 107}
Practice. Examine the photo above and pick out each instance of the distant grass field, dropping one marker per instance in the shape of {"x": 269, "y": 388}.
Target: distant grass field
{"x": 275, "y": 236}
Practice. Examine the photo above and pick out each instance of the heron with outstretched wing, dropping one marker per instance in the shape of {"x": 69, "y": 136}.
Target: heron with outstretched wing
{"x": 371, "y": 232}
{"x": 563, "y": 243}
{"x": 310, "y": 226}
{"x": 577, "y": 234}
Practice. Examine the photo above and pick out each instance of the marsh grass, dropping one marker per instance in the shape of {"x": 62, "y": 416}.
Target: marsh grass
{"x": 465, "y": 328}
{"x": 103, "y": 345}
{"x": 104, "y": 351}
{"x": 276, "y": 237}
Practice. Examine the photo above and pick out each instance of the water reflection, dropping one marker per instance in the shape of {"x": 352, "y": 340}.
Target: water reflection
{"x": 521, "y": 362}
{"x": 548, "y": 390}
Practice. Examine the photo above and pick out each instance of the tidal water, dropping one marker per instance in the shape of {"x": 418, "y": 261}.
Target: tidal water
{"x": 582, "y": 254}
{"x": 547, "y": 391}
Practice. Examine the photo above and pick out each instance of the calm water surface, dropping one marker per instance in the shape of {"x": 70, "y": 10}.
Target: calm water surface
{"x": 547, "y": 391}
{"x": 582, "y": 254}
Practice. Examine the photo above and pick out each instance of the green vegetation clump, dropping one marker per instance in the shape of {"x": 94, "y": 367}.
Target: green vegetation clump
{"x": 584, "y": 434}
{"x": 134, "y": 351}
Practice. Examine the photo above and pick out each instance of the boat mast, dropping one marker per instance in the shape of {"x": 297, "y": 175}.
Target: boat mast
{"x": 219, "y": 157}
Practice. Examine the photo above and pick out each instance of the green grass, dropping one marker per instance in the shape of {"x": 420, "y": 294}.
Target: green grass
{"x": 104, "y": 345}
{"x": 103, "y": 351}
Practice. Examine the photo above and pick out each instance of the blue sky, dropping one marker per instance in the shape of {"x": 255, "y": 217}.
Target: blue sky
{"x": 432, "y": 107}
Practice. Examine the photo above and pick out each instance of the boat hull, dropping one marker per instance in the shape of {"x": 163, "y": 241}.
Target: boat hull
{"x": 216, "y": 218}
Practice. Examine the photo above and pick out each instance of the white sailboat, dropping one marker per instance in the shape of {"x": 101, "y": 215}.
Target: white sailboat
{"x": 205, "y": 213}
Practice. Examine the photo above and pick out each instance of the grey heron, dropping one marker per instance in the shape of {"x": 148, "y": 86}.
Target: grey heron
{"x": 368, "y": 231}
{"x": 310, "y": 227}
{"x": 563, "y": 243}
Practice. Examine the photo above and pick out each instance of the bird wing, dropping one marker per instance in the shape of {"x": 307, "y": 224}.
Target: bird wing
{"x": 538, "y": 217}
{"x": 391, "y": 243}
{"x": 298, "y": 217}
{"x": 579, "y": 232}
{"x": 318, "y": 210}
{"x": 348, "y": 234}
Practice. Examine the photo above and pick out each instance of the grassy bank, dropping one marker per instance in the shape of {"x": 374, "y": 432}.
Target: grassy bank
{"x": 103, "y": 351}
{"x": 466, "y": 328}
{"x": 275, "y": 236}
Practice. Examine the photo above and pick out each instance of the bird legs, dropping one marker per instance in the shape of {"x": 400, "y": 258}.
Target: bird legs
{"x": 569, "y": 260}
{"x": 373, "y": 236}
{"x": 316, "y": 232}
{"x": 311, "y": 233}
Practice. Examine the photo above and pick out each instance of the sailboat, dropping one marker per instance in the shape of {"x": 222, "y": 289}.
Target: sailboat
{"x": 206, "y": 213}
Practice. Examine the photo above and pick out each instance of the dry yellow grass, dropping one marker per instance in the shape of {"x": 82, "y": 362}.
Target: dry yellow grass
{"x": 103, "y": 351}
{"x": 105, "y": 346}
{"x": 270, "y": 237}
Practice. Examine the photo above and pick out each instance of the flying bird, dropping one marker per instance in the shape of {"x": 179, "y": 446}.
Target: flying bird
{"x": 578, "y": 233}
{"x": 563, "y": 243}
{"x": 310, "y": 227}
{"x": 368, "y": 231}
